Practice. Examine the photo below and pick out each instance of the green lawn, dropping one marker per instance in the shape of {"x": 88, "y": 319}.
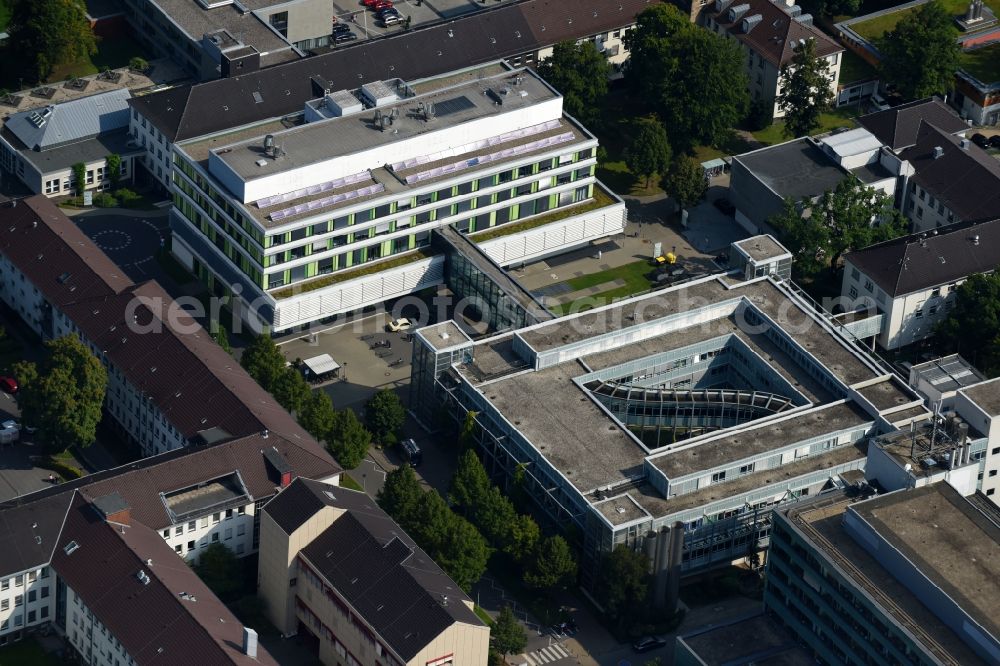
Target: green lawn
{"x": 854, "y": 68}
{"x": 983, "y": 63}
{"x": 26, "y": 651}
{"x": 842, "y": 117}
{"x": 347, "y": 481}
{"x": 637, "y": 276}
{"x": 111, "y": 53}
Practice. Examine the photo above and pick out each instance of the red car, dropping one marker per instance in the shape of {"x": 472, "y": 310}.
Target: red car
{"x": 8, "y": 384}
{"x": 369, "y": 3}
{"x": 381, "y": 4}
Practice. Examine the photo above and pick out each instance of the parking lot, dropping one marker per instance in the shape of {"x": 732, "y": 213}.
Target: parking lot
{"x": 364, "y": 24}
{"x": 364, "y": 368}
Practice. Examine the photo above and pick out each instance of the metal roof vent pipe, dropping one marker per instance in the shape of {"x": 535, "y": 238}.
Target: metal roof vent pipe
{"x": 938, "y": 152}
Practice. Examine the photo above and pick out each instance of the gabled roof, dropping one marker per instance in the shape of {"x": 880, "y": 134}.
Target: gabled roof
{"x": 776, "y": 34}
{"x": 29, "y": 530}
{"x": 966, "y": 180}
{"x": 55, "y": 255}
{"x": 898, "y": 127}
{"x": 406, "y": 598}
{"x": 175, "y": 362}
{"x": 77, "y": 119}
{"x": 146, "y": 611}
{"x": 510, "y": 29}
{"x": 922, "y": 261}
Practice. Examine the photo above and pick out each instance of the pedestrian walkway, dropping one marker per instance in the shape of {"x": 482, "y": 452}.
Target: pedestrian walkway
{"x": 547, "y": 655}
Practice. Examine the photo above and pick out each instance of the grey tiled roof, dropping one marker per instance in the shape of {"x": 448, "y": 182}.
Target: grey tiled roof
{"x": 897, "y": 127}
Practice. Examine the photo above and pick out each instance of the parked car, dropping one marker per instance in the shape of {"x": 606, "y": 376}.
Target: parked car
{"x": 385, "y": 13}
{"x": 369, "y": 3}
{"x": 344, "y": 37}
{"x": 980, "y": 140}
{"x": 411, "y": 452}
{"x": 382, "y": 4}
{"x": 725, "y": 206}
{"x": 648, "y": 643}
{"x": 995, "y": 141}
{"x": 341, "y": 27}
{"x": 8, "y": 384}
{"x": 389, "y": 18}
{"x": 401, "y": 324}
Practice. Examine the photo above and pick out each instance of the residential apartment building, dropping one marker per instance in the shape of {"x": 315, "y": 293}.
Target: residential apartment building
{"x": 109, "y": 585}
{"x": 169, "y": 384}
{"x": 301, "y": 224}
{"x": 521, "y": 31}
{"x": 907, "y": 577}
{"x": 803, "y": 170}
{"x": 40, "y": 146}
{"x": 334, "y": 566}
{"x": 770, "y": 32}
{"x": 911, "y": 281}
{"x": 954, "y": 180}
{"x": 704, "y": 405}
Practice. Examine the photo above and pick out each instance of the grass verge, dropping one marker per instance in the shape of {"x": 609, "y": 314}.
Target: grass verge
{"x": 484, "y": 616}
{"x": 983, "y": 63}
{"x": 112, "y": 53}
{"x": 347, "y": 481}
{"x": 833, "y": 119}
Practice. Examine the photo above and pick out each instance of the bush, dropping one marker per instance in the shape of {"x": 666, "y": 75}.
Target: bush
{"x": 138, "y": 64}
{"x": 105, "y": 200}
{"x": 127, "y": 197}
{"x": 68, "y": 472}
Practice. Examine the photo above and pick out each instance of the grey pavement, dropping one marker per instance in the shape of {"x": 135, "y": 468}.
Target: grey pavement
{"x": 18, "y": 475}
{"x": 130, "y": 238}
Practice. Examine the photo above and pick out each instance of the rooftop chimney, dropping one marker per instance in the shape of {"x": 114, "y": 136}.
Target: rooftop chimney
{"x": 938, "y": 152}
{"x": 964, "y": 143}
{"x": 250, "y": 642}
{"x": 113, "y": 508}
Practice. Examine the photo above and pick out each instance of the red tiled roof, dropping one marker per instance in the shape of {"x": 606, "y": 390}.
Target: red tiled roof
{"x": 140, "y": 484}
{"x": 777, "y": 34}
{"x": 152, "y": 621}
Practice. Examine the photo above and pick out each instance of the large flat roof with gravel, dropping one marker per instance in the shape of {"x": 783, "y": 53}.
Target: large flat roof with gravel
{"x": 751, "y": 441}
{"x": 937, "y": 530}
{"x": 765, "y": 295}
{"x": 949, "y": 540}
{"x": 986, "y": 395}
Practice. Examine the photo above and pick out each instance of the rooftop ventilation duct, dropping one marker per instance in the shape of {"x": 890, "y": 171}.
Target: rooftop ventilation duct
{"x": 737, "y": 12}
{"x": 751, "y": 22}
{"x": 805, "y": 19}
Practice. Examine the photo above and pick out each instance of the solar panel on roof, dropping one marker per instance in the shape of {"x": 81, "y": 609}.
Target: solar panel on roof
{"x": 453, "y": 105}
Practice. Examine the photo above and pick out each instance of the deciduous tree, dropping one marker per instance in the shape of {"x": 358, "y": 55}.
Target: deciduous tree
{"x": 384, "y": 415}
{"x": 552, "y": 565}
{"x": 805, "y": 90}
{"x": 850, "y": 216}
{"x": 46, "y": 33}
{"x": 972, "y": 327}
{"x": 580, "y": 72}
{"x": 400, "y": 495}
{"x": 507, "y": 633}
{"x": 63, "y": 395}
{"x": 685, "y": 182}
{"x": 920, "y": 55}
{"x": 694, "y": 79}
{"x": 290, "y": 389}
{"x": 348, "y": 439}
{"x": 623, "y": 584}
{"x": 317, "y": 415}
{"x": 263, "y": 360}
{"x": 470, "y": 483}
{"x": 113, "y": 170}
{"x": 648, "y": 152}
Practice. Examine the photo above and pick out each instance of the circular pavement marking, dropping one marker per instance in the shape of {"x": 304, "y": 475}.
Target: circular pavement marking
{"x": 112, "y": 239}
